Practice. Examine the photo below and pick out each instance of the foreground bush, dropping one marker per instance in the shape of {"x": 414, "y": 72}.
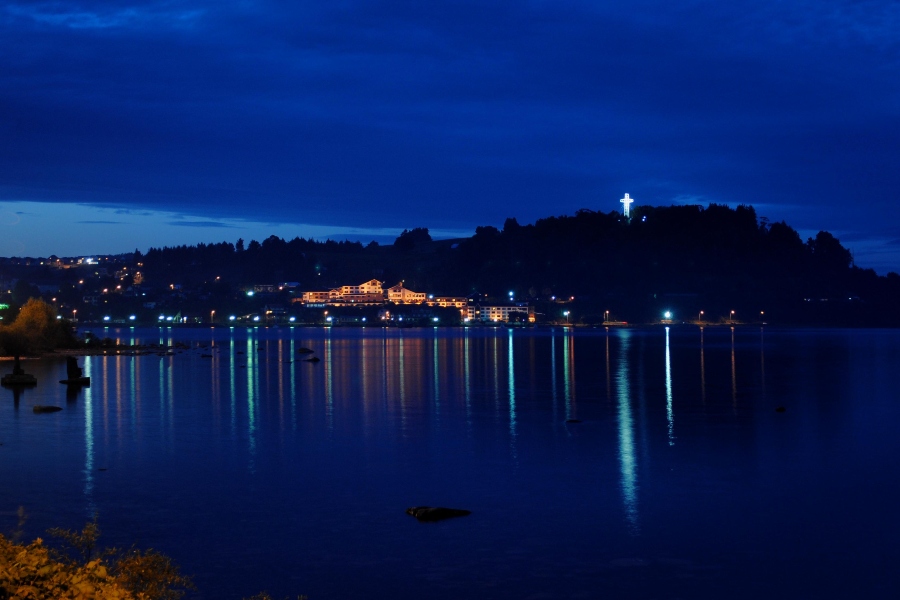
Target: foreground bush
{"x": 80, "y": 572}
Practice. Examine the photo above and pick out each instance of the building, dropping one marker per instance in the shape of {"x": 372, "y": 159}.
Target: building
{"x": 400, "y": 295}
{"x": 498, "y": 312}
{"x": 370, "y": 292}
{"x": 447, "y": 301}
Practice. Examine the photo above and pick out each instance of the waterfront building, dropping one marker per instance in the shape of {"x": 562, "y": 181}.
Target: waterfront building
{"x": 369, "y": 292}
{"x": 447, "y": 301}
{"x": 498, "y": 312}
{"x": 401, "y": 295}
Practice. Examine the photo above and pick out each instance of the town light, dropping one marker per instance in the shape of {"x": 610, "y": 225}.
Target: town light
{"x": 231, "y": 317}
{"x": 132, "y": 318}
{"x": 292, "y": 319}
{"x": 328, "y": 319}
{"x": 256, "y": 319}
{"x": 106, "y": 318}
{"x": 667, "y": 314}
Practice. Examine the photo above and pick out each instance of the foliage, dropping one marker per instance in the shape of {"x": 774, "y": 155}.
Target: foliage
{"x": 31, "y": 572}
{"x": 36, "y": 329}
{"x": 411, "y": 239}
{"x": 38, "y": 572}
{"x": 81, "y": 544}
{"x": 150, "y": 574}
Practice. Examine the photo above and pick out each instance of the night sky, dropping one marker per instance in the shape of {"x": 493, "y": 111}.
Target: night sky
{"x": 131, "y": 124}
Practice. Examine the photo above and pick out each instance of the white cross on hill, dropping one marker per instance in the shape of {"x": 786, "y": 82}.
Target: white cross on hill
{"x": 627, "y": 202}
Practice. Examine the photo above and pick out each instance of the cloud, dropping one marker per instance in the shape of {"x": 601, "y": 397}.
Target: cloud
{"x": 450, "y": 115}
{"x": 73, "y": 15}
{"x": 102, "y": 222}
{"x": 185, "y": 223}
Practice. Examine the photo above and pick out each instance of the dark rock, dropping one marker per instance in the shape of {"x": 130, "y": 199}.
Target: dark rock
{"x": 436, "y": 513}
{"x": 780, "y": 409}
{"x": 573, "y": 420}
{"x": 38, "y": 408}
{"x": 314, "y": 359}
{"x": 303, "y": 350}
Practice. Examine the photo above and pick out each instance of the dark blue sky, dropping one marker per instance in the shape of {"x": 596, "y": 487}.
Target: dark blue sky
{"x": 370, "y": 117}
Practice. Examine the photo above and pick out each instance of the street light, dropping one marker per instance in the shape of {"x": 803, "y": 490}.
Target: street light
{"x": 606, "y": 317}
{"x": 700, "y": 318}
{"x": 732, "y": 317}
{"x": 567, "y": 316}
{"x": 212, "y": 316}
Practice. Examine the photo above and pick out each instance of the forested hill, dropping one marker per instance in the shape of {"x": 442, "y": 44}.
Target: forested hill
{"x": 687, "y": 258}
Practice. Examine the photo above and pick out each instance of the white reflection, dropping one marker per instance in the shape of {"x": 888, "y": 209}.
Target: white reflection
{"x": 669, "y": 415}
{"x": 89, "y": 443}
{"x": 252, "y": 366}
{"x": 627, "y": 455}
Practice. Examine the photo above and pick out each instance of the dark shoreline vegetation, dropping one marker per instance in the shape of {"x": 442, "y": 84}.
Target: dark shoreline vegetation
{"x": 682, "y": 259}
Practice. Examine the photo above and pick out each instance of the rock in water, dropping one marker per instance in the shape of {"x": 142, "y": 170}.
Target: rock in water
{"x": 436, "y": 513}
{"x": 780, "y": 409}
{"x": 46, "y": 409}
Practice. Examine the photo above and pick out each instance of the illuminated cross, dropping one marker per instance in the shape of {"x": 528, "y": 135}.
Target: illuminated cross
{"x": 627, "y": 202}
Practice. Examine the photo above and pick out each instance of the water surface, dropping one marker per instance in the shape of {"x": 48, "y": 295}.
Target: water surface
{"x": 255, "y": 470}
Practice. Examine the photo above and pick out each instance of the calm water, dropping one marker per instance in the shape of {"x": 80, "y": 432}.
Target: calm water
{"x": 256, "y": 471}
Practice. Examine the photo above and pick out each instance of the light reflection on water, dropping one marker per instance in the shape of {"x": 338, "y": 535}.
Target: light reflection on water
{"x": 307, "y": 467}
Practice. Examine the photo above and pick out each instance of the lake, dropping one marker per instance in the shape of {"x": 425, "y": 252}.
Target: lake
{"x": 257, "y": 471}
